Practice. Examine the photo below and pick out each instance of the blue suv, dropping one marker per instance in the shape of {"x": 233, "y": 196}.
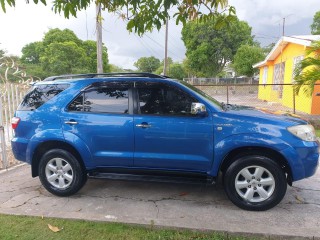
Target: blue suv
{"x": 150, "y": 127}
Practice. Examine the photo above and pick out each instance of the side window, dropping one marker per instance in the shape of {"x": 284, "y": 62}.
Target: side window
{"x": 77, "y": 104}
{"x": 278, "y": 75}
{"x": 39, "y": 95}
{"x": 296, "y": 61}
{"x": 265, "y": 75}
{"x": 102, "y": 100}
{"x": 162, "y": 99}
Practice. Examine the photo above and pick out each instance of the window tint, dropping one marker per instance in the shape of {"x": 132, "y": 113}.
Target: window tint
{"x": 164, "y": 99}
{"x": 203, "y": 94}
{"x": 40, "y": 94}
{"x": 102, "y": 100}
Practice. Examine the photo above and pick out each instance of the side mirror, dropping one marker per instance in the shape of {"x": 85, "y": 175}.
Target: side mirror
{"x": 198, "y": 109}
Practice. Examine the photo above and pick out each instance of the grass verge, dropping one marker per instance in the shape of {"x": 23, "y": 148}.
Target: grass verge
{"x": 23, "y": 227}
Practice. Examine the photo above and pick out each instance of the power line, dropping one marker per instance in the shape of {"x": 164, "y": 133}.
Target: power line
{"x": 162, "y": 46}
{"x": 153, "y": 52}
{"x": 265, "y": 35}
{"x": 173, "y": 42}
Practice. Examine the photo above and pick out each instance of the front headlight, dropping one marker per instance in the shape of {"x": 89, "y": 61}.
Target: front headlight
{"x": 304, "y": 132}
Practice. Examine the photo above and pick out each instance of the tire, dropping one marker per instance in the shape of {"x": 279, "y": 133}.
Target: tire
{"x": 61, "y": 173}
{"x": 255, "y": 183}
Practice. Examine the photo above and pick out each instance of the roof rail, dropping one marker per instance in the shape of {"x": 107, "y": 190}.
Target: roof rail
{"x": 93, "y": 75}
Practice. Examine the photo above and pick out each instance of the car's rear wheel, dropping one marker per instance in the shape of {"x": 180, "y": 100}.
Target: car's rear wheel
{"x": 255, "y": 183}
{"x": 61, "y": 173}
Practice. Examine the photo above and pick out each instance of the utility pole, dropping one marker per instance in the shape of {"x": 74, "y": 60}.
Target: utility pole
{"x": 99, "y": 38}
{"x": 165, "y": 67}
{"x": 281, "y": 63}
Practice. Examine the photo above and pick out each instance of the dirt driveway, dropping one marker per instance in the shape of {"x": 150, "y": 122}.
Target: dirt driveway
{"x": 163, "y": 204}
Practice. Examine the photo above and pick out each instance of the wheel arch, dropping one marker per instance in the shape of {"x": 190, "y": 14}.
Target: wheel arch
{"x": 262, "y": 151}
{"x": 46, "y": 146}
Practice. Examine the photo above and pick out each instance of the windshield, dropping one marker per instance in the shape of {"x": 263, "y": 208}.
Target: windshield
{"x": 203, "y": 94}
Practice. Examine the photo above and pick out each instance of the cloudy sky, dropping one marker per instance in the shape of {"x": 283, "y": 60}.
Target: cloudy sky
{"x": 28, "y": 22}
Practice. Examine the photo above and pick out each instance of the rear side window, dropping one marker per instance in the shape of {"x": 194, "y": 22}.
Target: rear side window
{"x": 39, "y": 95}
{"x": 110, "y": 98}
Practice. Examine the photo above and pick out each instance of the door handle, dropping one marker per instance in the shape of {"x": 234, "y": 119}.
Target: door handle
{"x": 71, "y": 122}
{"x": 143, "y": 125}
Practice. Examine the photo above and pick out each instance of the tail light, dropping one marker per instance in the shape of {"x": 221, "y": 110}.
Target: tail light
{"x": 14, "y": 122}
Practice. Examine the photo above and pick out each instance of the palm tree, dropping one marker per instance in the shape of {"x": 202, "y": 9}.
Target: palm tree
{"x": 307, "y": 72}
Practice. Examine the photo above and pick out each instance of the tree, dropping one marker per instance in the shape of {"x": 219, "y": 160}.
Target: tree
{"x": 31, "y": 53}
{"x": 170, "y": 61}
{"x": 307, "y": 72}
{"x": 57, "y": 35}
{"x": 90, "y": 48}
{"x": 147, "y": 64}
{"x": 175, "y": 70}
{"x": 35, "y": 70}
{"x": 61, "y": 52}
{"x": 315, "y": 26}
{"x": 64, "y": 58}
{"x": 2, "y": 52}
{"x": 159, "y": 70}
{"x": 144, "y": 15}
{"x": 245, "y": 57}
{"x": 209, "y": 48}
{"x": 115, "y": 68}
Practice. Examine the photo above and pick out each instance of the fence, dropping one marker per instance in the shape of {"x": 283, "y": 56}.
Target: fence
{"x": 221, "y": 81}
{"x": 10, "y": 97}
{"x": 281, "y": 98}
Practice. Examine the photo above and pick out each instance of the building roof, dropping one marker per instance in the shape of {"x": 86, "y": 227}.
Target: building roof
{"x": 304, "y": 40}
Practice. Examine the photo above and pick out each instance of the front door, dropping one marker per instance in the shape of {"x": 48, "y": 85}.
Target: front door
{"x": 167, "y": 135}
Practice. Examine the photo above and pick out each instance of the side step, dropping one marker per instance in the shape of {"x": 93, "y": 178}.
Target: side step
{"x": 149, "y": 178}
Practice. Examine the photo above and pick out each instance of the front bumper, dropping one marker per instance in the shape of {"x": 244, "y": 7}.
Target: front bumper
{"x": 303, "y": 159}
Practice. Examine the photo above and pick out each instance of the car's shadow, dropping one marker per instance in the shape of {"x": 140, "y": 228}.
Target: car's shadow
{"x": 155, "y": 191}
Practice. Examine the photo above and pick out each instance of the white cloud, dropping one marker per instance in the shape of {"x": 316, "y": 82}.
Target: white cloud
{"x": 272, "y": 11}
{"x": 266, "y": 17}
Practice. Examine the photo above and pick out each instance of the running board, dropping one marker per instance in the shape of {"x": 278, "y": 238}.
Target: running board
{"x": 149, "y": 178}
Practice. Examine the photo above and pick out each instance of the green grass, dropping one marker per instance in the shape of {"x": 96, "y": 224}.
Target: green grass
{"x": 318, "y": 132}
{"x": 22, "y": 227}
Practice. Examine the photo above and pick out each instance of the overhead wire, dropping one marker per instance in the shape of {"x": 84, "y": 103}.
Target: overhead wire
{"x": 157, "y": 43}
{"x": 150, "y": 49}
{"x": 162, "y": 46}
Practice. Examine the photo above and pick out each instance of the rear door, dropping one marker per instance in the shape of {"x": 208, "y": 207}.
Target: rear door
{"x": 101, "y": 116}
{"x": 167, "y": 135}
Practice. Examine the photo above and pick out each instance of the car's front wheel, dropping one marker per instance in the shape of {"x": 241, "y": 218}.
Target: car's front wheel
{"x": 61, "y": 173}
{"x": 255, "y": 183}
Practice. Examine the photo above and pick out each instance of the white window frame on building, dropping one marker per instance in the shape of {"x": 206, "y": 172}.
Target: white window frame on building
{"x": 278, "y": 75}
{"x": 265, "y": 75}
{"x": 296, "y": 61}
